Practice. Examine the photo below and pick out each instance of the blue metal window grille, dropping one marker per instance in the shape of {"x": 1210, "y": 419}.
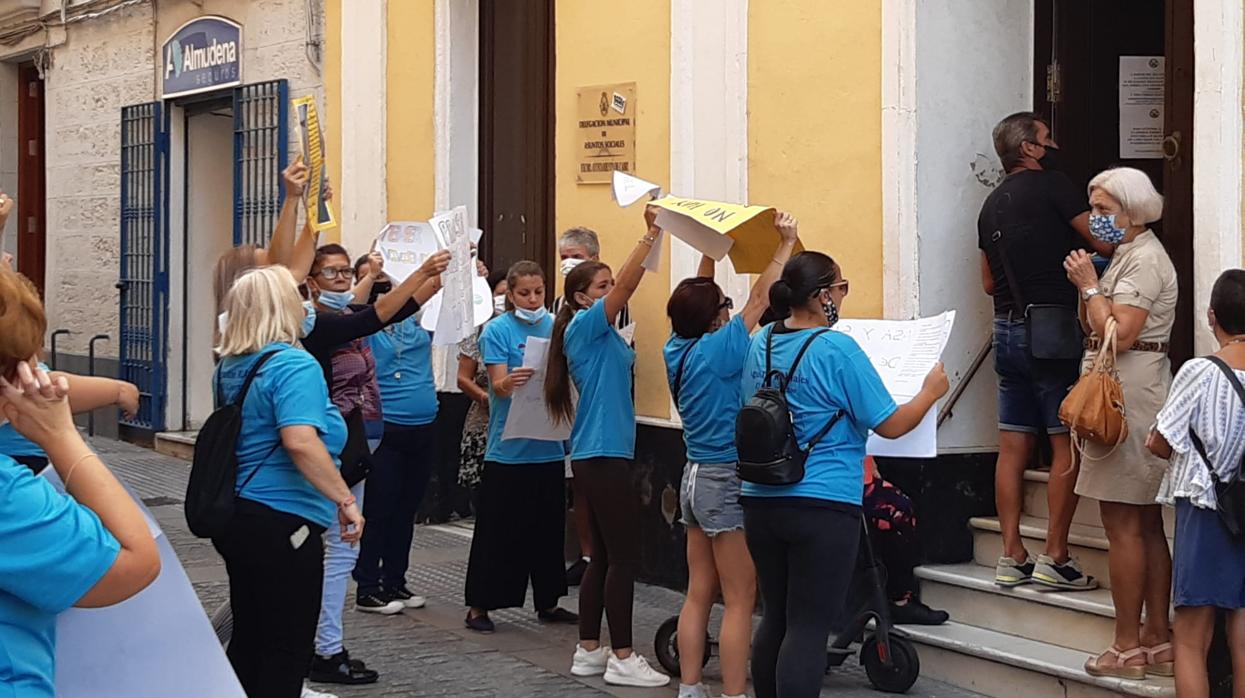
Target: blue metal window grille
{"x": 144, "y": 258}
{"x": 261, "y": 114}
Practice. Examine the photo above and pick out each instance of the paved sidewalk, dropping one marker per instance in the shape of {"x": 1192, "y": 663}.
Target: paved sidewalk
{"x": 428, "y": 652}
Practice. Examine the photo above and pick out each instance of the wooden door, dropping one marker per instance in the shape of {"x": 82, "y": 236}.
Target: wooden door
{"x": 516, "y": 132}
{"x": 31, "y": 224}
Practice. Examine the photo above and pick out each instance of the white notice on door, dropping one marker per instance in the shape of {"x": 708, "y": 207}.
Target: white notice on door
{"x": 1142, "y": 98}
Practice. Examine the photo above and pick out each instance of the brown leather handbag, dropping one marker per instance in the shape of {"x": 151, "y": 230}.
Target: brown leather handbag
{"x": 1094, "y": 408}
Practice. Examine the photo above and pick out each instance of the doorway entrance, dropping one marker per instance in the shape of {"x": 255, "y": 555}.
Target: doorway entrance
{"x": 31, "y": 177}
{"x": 1086, "y": 55}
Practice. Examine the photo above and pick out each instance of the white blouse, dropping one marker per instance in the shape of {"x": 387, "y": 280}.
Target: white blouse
{"x": 1202, "y": 398}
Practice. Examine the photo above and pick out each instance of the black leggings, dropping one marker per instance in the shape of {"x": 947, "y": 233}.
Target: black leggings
{"x": 805, "y": 555}
{"x": 614, "y": 514}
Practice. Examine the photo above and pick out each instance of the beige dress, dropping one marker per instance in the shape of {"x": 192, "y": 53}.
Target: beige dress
{"x": 1140, "y": 275}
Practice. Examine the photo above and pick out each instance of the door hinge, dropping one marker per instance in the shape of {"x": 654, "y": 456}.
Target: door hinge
{"x": 32, "y": 147}
{"x": 32, "y": 225}
{"x": 1054, "y": 83}
{"x": 32, "y": 89}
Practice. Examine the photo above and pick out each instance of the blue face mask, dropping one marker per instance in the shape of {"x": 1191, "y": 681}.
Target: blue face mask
{"x": 336, "y": 300}
{"x": 531, "y": 317}
{"x": 1103, "y": 228}
{"x": 309, "y": 322}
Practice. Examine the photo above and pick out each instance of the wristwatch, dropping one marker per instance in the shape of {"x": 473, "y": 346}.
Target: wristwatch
{"x": 1090, "y": 293}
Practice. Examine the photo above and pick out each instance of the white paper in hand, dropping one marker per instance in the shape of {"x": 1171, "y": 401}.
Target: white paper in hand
{"x": 529, "y": 414}
{"x": 652, "y": 261}
{"x": 628, "y": 333}
{"x": 627, "y": 189}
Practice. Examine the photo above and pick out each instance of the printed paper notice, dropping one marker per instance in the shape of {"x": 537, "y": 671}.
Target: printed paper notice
{"x": 1142, "y": 99}
{"x": 529, "y": 414}
{"x": 311, "y": 140}
{"x": 903, "y": 351}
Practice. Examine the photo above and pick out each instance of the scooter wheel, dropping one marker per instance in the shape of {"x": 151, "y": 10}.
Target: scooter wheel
{"x": 666, "y": 646}
{"x": 896, "y": 675}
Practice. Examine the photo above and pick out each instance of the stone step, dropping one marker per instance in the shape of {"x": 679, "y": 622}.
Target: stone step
{"x": 178, "y": 444}
{"x": 1088, "y": 544}
{"x": 998, "y": 664}
{"x": 1086, "y": 511}
{"x": 1082, "y": 620}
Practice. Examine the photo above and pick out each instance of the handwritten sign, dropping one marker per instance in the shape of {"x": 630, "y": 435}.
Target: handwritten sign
{"x": 529, "y": 414}
{"x": 903, "y": 351}
{"x": 605, "y": 116}
{"x": 715, "y": 228}
{"x": 311, "y": 140}
{"x": 405, "y": 245}
{"x": 455, "y": 319}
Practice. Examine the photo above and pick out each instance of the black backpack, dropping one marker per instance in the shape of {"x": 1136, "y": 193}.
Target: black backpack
{"x": 764, "y": 433}
{"x": 213, "y": 487}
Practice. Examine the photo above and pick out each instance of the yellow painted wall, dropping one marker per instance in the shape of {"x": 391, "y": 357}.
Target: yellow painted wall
{"x": 410, "y": 85}
{"x": 332, "y": 72}
{"x": 629, "y": 42}
{"x": 815, "y": 130}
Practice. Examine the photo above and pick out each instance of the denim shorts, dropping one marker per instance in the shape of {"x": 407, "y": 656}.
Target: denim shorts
{"x": 1030, "y": 390}
{"x": 709, "y": 498}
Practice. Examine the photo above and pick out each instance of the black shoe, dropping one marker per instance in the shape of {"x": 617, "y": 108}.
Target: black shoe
{"x": 916, "y": 613}
{"x": 341, "y": 669}
{"x": 480, "y": 623}
{"x": 557, "y": 615}
{"x": 378, "y": 602}
{"x": 575, "y": 573}
{"x": 404, "y": 595}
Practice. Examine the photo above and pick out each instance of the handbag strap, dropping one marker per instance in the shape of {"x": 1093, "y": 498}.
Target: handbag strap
{"x": 1240, "y": 392}
{"x": 1012, "y": 286}
{"x": 677, "y": 385}
{"x": 786, "y": 380}
{"x": 238, "y": 401}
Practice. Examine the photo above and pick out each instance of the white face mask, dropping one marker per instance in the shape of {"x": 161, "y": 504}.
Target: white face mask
{"x": 499, "y": 304}
{"x": 569, "y": 264}
{"x": 221, "y": 321}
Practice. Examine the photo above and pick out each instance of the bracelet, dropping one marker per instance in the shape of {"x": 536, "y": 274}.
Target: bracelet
{"x": 73, "y": 467}
{"x": 347, "y": 502}
{"x": 775, "y": 261}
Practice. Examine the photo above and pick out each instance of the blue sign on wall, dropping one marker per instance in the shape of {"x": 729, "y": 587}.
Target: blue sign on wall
{"x": 204, "y": 54}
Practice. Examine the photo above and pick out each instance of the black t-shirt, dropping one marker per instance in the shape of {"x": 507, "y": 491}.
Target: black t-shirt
{"x": 1030, "y": 215}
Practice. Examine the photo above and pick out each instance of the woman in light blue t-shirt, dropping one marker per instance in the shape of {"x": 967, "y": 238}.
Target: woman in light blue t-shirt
{"x": 586, "y": 349}
{"x": 704, "y": 362}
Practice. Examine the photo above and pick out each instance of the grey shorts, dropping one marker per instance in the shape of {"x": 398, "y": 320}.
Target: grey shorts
{"x": 709, "y": 498}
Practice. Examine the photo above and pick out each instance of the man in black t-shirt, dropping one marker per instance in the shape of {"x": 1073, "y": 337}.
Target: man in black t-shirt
{"x": 1026, "y": 229}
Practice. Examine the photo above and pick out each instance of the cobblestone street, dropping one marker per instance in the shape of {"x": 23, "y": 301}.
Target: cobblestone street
{"x": 428, "y": 652}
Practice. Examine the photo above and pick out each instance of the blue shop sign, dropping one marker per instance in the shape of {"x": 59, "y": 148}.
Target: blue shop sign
{"x": 204, "y": 54}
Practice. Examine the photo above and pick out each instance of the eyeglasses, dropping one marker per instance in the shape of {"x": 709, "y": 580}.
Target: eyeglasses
{"x": 844, "y": 284}
{"x": 330, "y": 273}
{"x": 727, "y": 304}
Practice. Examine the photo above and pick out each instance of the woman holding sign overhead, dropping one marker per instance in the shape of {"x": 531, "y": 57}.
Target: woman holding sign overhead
{"x": 522, "y": 516}
{"x": 704, "y": 364}
{"x": 585, "y": 348}
{"x": 803, "y": 536}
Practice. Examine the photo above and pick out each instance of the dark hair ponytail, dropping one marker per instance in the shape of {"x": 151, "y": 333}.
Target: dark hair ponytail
{"x": 557, "y": 372}
{"x": 803, "y": 276}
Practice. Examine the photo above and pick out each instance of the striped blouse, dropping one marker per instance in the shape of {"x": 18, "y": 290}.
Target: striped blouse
{"x": 1201, "y": 398}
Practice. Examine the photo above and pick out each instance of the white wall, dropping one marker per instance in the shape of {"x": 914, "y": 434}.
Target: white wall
{"x": 974, "y": 65}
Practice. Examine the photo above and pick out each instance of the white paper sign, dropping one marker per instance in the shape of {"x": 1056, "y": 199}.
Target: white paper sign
{"x": 628, "y": 334}
{"x": 627, "y": 189}
{"x": 455, "y": 321}
{"x": 405, "y": 245}
{"x": 652, "y": 261}
{"x": 903, "y": 351}
{"x": 704, "y": 239}
{"x": 1142, "y": 101}
{"x": 481, "y": 304}
{"x": 529, "y": 413}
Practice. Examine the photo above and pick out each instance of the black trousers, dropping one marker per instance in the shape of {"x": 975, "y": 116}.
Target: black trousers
{"x": 614, "y": 515}
{"x": 805, "y": 556}
{"x": 395, "y": 486}
{"x": 274, "y": 593}
{"x": 519, "y": 533}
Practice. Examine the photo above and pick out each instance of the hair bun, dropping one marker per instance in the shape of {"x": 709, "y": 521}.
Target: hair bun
{"x": 780, "y": 294}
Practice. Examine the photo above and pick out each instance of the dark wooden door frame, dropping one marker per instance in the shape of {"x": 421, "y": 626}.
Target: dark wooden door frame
{"x": 31, "y": 223}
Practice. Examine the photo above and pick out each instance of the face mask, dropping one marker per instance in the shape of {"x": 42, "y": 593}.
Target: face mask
{"x": 309, "y": 322}
{"x": 336, "y": 300}
{"x": 1050, "y": 161}
{"x": 499, "y": 304}
{"x": 569, "y": 264}
{"x": 221, "y": 321}
{"x": 832, "y": 312}
{"x": 1103, "y": 228}
{"x": 531, "y": 317}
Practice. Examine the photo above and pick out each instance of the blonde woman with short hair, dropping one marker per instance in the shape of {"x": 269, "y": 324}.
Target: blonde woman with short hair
{"x": 1139, "y": 292}
{"x": 289, "y": 488}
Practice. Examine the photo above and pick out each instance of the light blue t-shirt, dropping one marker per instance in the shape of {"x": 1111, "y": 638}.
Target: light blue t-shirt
{"x": 288, "y": 391}
{"x": 835, "y": 375}
{"x": 600, "y": 364}
{"x": 14, "y": 444}
{"x": 52, "y": 552}
{"x": 709, "y": 390}
{"x": 403, "y": 354}
{"x": 502, "y": 343}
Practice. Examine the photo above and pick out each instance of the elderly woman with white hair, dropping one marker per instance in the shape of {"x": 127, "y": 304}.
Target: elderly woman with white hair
{"x": 1138, "y": 290}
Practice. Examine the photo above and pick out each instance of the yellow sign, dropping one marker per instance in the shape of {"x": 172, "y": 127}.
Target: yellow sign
{"x": 319, "y": 212}
{"x": 606, "y": 122}
{"x": 746, "y": 233}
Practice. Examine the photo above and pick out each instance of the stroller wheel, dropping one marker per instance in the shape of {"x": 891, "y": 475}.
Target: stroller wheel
{"x": 666, "y": 646}
{"x": 896, "y": 675}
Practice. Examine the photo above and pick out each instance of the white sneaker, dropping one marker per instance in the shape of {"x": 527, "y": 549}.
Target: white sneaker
{"x": 633, "y": 671}
{"x": 697, "y": 691}
{"x": 309, "y": 692}
{"x": 587, "y": 663}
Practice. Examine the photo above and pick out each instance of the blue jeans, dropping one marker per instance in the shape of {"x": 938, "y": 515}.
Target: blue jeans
{"x": 339, "y": 560}
{"x": 1030, "y": 390}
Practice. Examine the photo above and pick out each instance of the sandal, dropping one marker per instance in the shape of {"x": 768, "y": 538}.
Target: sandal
{"x": 1119, "y": 669}
{"x": 1153, "y": 668}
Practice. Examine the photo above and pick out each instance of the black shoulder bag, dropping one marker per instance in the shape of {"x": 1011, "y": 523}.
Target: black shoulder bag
{"x": 1229, "y": 496}
{"x": 1054, "y": 331}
